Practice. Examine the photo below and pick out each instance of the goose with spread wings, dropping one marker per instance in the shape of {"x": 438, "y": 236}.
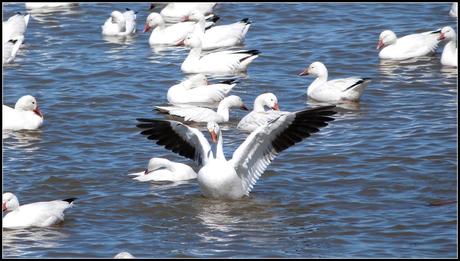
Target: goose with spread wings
{"x": 235, "y": 178}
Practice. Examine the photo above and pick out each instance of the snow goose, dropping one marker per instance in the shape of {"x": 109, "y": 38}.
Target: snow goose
{"x": 449, "y": 54}
{"x": 38, "y": 214}
{"x": 15, "y": 26}
{"x": 453, "y": 10}
{"x": 223, "y": 62}
{"x": 120, "y": 24}
{"x": 221, "y": 35}
{"x": 409, "y": 46}
{"x": 233, "y": 179}
{"x": 195, "y": 90}
{"x": 25, "y": 115}
{"x": 346, "y": 89}
{"x": 259, "y": 116}
{"x": 160, "y": 169}
{"x": 201, "y": 114}
{"x": 166, "y": 35}
{"x": 174, "y": 12}
{"x": 10, "y": 49}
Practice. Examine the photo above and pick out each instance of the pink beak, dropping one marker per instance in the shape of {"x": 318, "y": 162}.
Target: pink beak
{"x": 38, "y": 112}
{"x": 276, "y": 107}
{"x": 380, "y": 44}
{"x": 441, "y": 37}
{"x": 185, "y": 19}
{"x": 305, "y": 72}
{"x": 4, "y": 206}
{"x": 213, "y": 136}
{"x": 146, "y": 28}
{"x": 181, "y": 43}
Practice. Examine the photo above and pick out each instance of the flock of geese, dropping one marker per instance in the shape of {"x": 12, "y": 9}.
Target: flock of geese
{"x": 270, "y": 130}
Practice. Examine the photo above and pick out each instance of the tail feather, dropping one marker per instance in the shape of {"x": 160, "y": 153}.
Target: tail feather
{"x": 230, "y": 81}
{"x": 246, "y": 21}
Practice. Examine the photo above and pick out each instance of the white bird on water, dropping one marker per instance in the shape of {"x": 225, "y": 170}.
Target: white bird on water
{"x": 449, "y": 54}
{"x": 195, "y": 90}
{"x": 221, "y": 62}
{"x": 25, "y": 115}
{"x": 233, "y": 179}
{"x": 345, "y": 89}
{"x": 120, "y": 24}
{"x": 160, "y": 169}
{"x": 38, "y": 214}
{"x": 409, "y": 46}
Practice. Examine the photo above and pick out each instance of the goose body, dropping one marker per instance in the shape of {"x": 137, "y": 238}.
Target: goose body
{"x": 235, "y": 178}
{"x": 449, "y": 53}
{"x": 409, "y": 46}
{"x": 11, "y": 48}
{"x": 174, "y": 12}
{"x": 120, "y": 24}
{"x": 15, "y": 26}
{"x": 38, "y": 214}
{"x": 25, "y": 115}
{"x": 223, "y": 62}
{"x": 196, "y": 90}
{"x": 166, "y": 35}
{"x": 160, "y": 169}
{"x": 345, "y": 89}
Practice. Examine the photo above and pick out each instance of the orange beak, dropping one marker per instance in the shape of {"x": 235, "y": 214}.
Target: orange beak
{"x": 276, "y": 107}
{"x": 146, "y": 28}
{"x": 305, "y": 72}
{"x": 380, "y": 44}
{"x": 441, "y": 37}
{"x": 213, "y": 136}
{"x": 38, "y": 112}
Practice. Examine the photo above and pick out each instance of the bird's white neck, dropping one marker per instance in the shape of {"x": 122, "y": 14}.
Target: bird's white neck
{"x": 320, "y": 80}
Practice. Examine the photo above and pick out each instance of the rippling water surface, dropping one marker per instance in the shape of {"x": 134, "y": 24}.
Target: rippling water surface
{"x": 361, "y": 187}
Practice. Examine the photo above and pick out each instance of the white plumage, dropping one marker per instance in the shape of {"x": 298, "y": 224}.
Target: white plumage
{"x": 160, "y": 169}
{"x": 25, "y": 115}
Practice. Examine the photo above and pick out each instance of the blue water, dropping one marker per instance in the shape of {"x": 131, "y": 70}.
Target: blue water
{"x": 361, "y": 187}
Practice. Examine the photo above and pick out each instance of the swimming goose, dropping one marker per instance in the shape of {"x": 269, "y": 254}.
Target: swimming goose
{"x": 196, "y": 90}
{"x": 174, "y": 12}
{"x": 38, "y": 214}
{"x": 346, "y": 89}
{"x": 449, "y": 54}
{"x": 120, "y": 24}
{"x": 123, "y": 255}
{"x": 409, "y": 46}
{"x": 160, "y": 169}
{"x": 259, "y": 116}
{"x": 25, "y": 115}
{"x": 15, "y": 26}
{"x": 221, "y": 35}
{"x": 235, "y": 178}
{"x": 10, "y": 49}
{"x": 223, "y": 62}
{"x": 201, "y": 114}
{"x": 166, "y": 35}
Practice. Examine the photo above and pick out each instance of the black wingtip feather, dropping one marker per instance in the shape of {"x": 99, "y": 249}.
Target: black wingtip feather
{"x": 69, "y": 200}
{"x": 229, "y": 81}
{"x": 246, "y": 21}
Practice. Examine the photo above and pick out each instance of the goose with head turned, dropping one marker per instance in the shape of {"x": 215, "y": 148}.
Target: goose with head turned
{"x": 218, "y": 36}
{"x": 38, "y": 214}
{"x": 222, "y": 62}
{"x": 413, "y": 45}
{"x": 201, "y": 114}
{"x": 338, "y": 90}
{"x": 235, "y": 178}
{"x": 120, "y": 24}
{"x": 166, "y": 35}
{"x": 195, "y": 90}
{"x": 449, "y": 54}
{"x": 160, "y": 169}
{"x": 174, "y": 12}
